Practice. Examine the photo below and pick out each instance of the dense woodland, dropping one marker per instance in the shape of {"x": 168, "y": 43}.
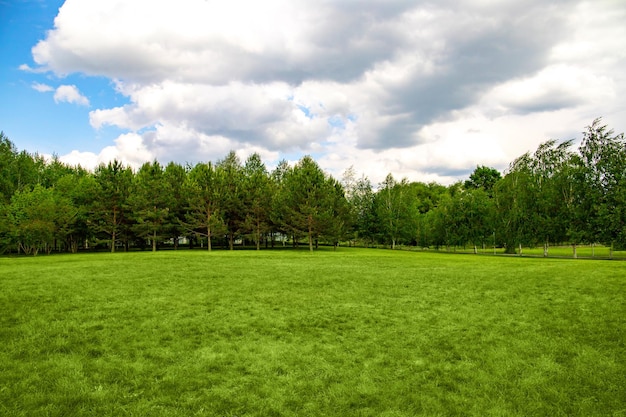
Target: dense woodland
{"x": 555, "y": 195}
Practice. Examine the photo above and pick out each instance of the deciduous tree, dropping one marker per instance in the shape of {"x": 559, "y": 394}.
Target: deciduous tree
{"x": 600, "y": 185}
{"x": 34, "y": 218}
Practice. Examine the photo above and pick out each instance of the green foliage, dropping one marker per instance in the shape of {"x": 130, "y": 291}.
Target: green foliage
{"x": 395, "y": 208}
{"x": 600, "y": 185}
{"x": 204, "y": 209}
{"x": 359, "y": 196}
{"x": 231, "y": 195}
{"x": 175, "y": 177}
{"x": 484, "y": 178}
{"x": 535, "y": 199}
{"x": 34, "y": 217}
{"x": 549, "y": 197}
{"x": 278, "y": 210}
{"x": 149, "y": 203}
{"x": 307, "y": 200}
{"x": 110, "y": 205}
{"x": 80, "y": 188}
{"x": 257, "y": 198}
{"x": 7, "y": 159}
{"x": 473, "y": 217}
{"x": 349, "y": 333}
{"x": 337, "y": 216}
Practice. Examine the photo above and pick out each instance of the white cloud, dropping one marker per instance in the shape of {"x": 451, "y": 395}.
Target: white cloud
{"x": 424, "y": 90}
{"x": 164, "y": 144}
{"x": 266, "y": 114}
{"x": 42, "y": 88}
{"x": 554, "y": 87}
{"x": 87, "y": 160}
{"x": 27, "y": 68}
{"x": 128, "y": 149}
{"x": 70, "y": 94}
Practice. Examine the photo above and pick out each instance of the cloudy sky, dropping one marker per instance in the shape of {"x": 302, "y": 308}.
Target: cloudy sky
{"x": 423, "y": 89}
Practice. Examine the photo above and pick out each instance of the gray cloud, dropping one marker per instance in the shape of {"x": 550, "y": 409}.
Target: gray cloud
{"x": 470, "y": 64}
{"x": 280, "y": 75}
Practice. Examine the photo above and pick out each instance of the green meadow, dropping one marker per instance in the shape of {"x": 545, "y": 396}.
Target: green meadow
{"x": 356, "y": 332}
{"x": 567, "y": 251}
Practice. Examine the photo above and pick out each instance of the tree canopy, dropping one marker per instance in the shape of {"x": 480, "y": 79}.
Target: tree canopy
{"x": 553, "y": 195}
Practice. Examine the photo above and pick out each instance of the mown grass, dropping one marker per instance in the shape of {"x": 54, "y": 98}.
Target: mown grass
{"x": 582, "y": 251}
{"x": 599, "y": 252}
{"x": 355, "y": 332}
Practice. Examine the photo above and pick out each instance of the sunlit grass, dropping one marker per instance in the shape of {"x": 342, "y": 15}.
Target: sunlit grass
{"x": 353, "y": 332}
{"x": 559, "y": 251}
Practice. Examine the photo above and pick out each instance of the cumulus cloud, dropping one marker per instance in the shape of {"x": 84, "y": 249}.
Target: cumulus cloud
{"x": 70, "y": 94}
{"x": 128, "y": 149}
{"x": 432, "y": 88}
{"x": 216, "y": 42}
{"x": 63, "y": 93}
{"x": 166, "y": 144}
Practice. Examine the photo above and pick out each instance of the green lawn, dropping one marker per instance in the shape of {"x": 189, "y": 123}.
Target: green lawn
{"x": 599, "y": 252}
{"x": 355, "y": 332}
{"x": 582, "y": 251}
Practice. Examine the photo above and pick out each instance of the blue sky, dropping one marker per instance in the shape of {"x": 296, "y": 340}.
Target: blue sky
{"x": 32, "y": 120}
{"x": 423, "y": 90}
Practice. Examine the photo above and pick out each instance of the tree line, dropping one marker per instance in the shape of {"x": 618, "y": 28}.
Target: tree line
{"x": 554, "y": 195}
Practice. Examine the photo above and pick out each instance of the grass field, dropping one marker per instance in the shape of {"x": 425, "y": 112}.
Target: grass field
{"x": 355, "y": 332}
{"x": 599, "y": 252}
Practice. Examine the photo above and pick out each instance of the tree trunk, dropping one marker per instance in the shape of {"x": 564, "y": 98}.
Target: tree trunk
{"x": 113, "y": 231}
{"x": 545, "y": 249}
{"x": 475, "y": 250}
{"x": 208, "y": 228}
{"x": 520, "y": 249}
{"x": 510, "y": 248}
{"x": 574, "y": 249}
{"x": 154, "y": 244}
{"x": 258, "y": 236}
{"x": 310, "y": 235}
